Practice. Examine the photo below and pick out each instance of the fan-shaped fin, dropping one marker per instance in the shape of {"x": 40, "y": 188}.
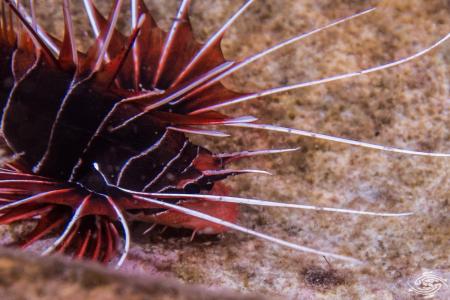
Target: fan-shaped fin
{"x": 109, "y": 41}
{"x": 178, "y": 48}
{"x": 40, "y": 44}
{"x": 119, "y": 65}
{"x": 215, "y": 94}
{"x": 48, "y": 222}
{"x": 24, "y": 56}
{"x": 210, "y": 55}
{"x": 23, "y": 213}
{"x": 146, "y": 51}
{"x": 68, "y": 56}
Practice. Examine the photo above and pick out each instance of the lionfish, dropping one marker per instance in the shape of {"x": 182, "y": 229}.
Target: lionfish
{"x": 99, "y": 138}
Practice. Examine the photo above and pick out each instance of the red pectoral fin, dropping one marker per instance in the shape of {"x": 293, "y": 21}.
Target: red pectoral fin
{"x": 224, "y": 211}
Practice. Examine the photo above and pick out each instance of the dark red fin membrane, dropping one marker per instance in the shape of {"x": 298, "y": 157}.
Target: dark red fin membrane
{"x": 40, "y": 44}
{"x": 89, "y": 64}
{"x": 24, "y": 212}
{"x": 30, "y": 114}
{"x": 201, "y": 98}
{"x": 182, "y": 51}
{"x": 178, "y": 53}
{"x": 6, "y": 75}
{"x": 119, "y": 67}
{"x": 7, "y": 48}
{"x": 48, "y": 223}
{"x": 113, "y": 70}
{"x": 211, "y": 58}
{"x": 85, "y": 237}
{"x": 68, "y": 56}
{"x": 54, "y": 205}
{"x": 23, "y": 57}
{"x": 148, "y": 47}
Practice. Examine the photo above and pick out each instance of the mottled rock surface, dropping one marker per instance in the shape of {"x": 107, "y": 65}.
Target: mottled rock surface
{"x": 22, "y": 277}
{"x": 407, "y": 106}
